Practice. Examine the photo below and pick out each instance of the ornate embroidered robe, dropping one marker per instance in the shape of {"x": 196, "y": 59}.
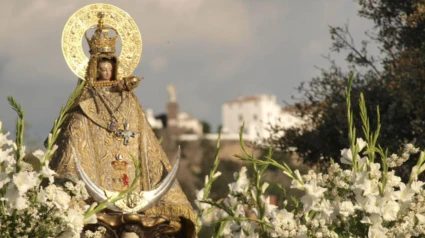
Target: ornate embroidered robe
{"x": 108, "y": 162}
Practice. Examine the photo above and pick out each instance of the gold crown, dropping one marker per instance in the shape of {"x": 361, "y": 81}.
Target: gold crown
{"x": 119, "y": 165}
{"x": 100, "y": 42}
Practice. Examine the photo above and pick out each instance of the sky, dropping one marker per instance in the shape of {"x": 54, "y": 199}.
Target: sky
{"x": 212, "y": 51}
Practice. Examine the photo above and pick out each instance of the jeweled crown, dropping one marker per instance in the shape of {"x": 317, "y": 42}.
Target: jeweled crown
{"x": 100, "y": 42}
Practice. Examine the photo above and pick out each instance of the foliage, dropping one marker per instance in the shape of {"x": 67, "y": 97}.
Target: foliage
{"x": 395, "y": 80}
{"x": 366, "y": 200}
{"x": 206, "y": 127}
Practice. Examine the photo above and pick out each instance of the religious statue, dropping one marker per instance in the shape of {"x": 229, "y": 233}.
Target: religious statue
{"x": 107, "y": 128}
{"x": 171, "y": 93}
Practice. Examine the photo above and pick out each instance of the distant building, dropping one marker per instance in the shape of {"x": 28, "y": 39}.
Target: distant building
{"x": 174, "y": 121}
{"x": 258, "y": 113}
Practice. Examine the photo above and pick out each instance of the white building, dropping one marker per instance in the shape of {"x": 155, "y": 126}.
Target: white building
{"x": 188, "y": 123}
{"x": 184, "y": 122}
{"x": 258, "y": 113}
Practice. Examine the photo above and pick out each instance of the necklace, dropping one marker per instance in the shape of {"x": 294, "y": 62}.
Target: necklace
{"x": 112, "y": 126}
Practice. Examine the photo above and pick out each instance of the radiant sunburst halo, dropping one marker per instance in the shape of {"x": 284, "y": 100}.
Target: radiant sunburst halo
{"x": 87, "y": 17}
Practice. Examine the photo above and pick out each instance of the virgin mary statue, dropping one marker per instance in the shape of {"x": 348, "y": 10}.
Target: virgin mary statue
{"x": 107, "y": 128}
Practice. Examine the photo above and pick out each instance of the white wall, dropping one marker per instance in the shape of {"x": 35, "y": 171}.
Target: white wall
{"x": 184, "y": 120}
{"x": 257, "y": 112}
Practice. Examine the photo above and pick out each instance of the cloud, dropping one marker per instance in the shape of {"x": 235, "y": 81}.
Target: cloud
{"x": 33, "y": 36}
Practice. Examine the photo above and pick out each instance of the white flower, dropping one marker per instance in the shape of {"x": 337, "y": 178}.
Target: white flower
{"x": 91, "y": 219}
{"x": 346, "y": 208}
{"x": 296, "y": 184}
{"x": 360, "y": 144}
{"x": 264, "y": 187}
{"x": 230, "y": 201}
{"x": 208, "y": 217}
{"x": 406, "y": 193}
{"x": 414, "y": 172}
{"x": 220, "y": 214}
{"x": 58, "y": 197}
{"x": 392, "y": 179}
{"x": 4, "y": 179}
{"x": 325, "y": 208}
{"x": 39, "y": 154}
{"x": 75, "y": 220}
{"x": 369, "y": 186}
{"x": 421, "y": 218}
{"x": 41, "y": 196}
{"x": 347, "y": 156}
{"x": 21, "y": 203}
{"x": 268, "y": 207}
{"x": 377, "y": 232}
{"x": 11, "y": 196}
{"x": 390, "y": 210}
{"x": 207, "y": 179}
{"x": 226, "y": 229}
{"x": 216, "y": 175}
{"x": 366, "y": 203}
{"x": 46, "y": 172}
{"x": 24, "y": 181}
{"x": 242, "y": 183}
{"x": 312, "y": 196}
{"x": 239, "y": 211}
{"x": 416, "y": 186}
{"x": 6, "y": 155}
{"x": 410, "y": 148}
{"x": 373, "y": 219}
{"x": 375, "y": 171}
{"x": 298, "y": 175}
{"x": 3, "y": 138}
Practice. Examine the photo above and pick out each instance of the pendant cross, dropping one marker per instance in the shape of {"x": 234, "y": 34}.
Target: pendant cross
{"x": 126, "y": 133}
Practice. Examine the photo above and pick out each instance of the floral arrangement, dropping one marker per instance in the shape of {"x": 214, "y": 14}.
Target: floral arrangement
{"x": 29, "y": 209}
{"x": 362, "y": 198}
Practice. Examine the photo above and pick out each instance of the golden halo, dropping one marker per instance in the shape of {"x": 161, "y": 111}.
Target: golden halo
{"x": 85, "y": 18}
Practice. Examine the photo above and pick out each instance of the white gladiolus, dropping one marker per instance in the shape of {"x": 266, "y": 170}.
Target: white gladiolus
{"x": 6, "y": 155}
{"x": 242, "y": 182}
{"x": 41, "y": 196}
{"x": 46, "y": 172}
{"x": 346, "y": 208}
{"x": 39, "y": 154}
{"x": 312, "y": 196}
{"x": 268, "y": 207}
{"x": 199, "y": 197}
{"x": 296, "y": 184}
{"x": 416, "y": 186}
{"x": 4, "y": 140}
{"x": 4, "y": 179}
{"x": 75, "y": 221}
{"x": 59, "y": 198}
{"x": 406, "y": 193}
{"x": 347, "y": 156}
{"x": 377, "y": 232}
{"x": 390, "y": 210}
{"x": 361, "y": 144}
{"x": 24, "y": 181}
{"x": 21, "y": 203}
{"x": 421, "y": 218}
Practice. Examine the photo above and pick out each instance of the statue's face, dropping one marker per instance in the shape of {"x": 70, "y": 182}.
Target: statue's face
{"x": 105, "y": 71}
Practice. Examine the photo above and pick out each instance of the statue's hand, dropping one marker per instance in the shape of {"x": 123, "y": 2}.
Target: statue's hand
{"x": 120, "y": 86}
{"x": 131, "y": 82}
